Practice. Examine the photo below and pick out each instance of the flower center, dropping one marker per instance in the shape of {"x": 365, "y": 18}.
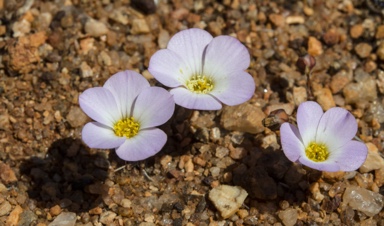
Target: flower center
{"x": 200, "y": 84}
{"x": 317, "y": 152}
{"x": 126, "y": 127}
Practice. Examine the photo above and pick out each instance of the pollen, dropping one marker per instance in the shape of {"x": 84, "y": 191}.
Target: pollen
{"x": 126, "y": 127}
{"x": 317, "y": 152}
{"x": 200, "y": 84}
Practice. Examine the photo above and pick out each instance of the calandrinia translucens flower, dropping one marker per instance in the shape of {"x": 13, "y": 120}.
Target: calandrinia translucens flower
{"x": 323, "y": 141}
{"x": 203, "y": 71}
{"x": 126, "y": 111}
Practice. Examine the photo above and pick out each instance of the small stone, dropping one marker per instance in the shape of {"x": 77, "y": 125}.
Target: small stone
{"x": 95, "y": 28}
{"x": 55, "y": 210}
{"x": 145, "y": 6}
{"x": 76, "y": 117}
{"x": 221, "y": 152}
{"x": 315, "y": 190}
{"x": 277, "y": 19}
{"x": 243, "y": 118}
{"x": 7, "y": 175}
{"x": 85, "y": 70}
{"x": 340, "y": 80}
{"x": 374, "y": 161}
{"x": 14, "y": 216}
{"x": 363, "y": 49}
{"x": 299, "y": 95}
{"x": 64, "y": 219}
{"x": 95, "y": 211}
{"x": 126, "y": 203}
{"x": 119, "y": 15}
{"x": 21, "y": 28}
{"x": 356, "y": 30}
{"x": 361, "y": 92}
{"x": 380, "y": 32}
{"x": 380, "y": 51}
{"x": 107, "y": 217}
{"x": 140, "y": 26}
{"x": 227, "y": 199}
{"x": 5, "y": 208}
{"x": 237, "y": 153}
{"x": 163, "y": 39}
{"x": 165, "y": 161}
{"x": 315, "y": 48}
{"x": 288, "y": 216}
{"x": 363, "y": 200}
{"x": 324, "y": 98}
{"x": 295, "y": 20}
{"x": 331, "y": 37}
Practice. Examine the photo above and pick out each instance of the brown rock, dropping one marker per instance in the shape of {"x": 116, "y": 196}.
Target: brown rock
{"x": 325, "y": 99}
{"x": 374, "y": 161}
{"x": 380, "y": 32}
{"x": 360, "y": 92}
{"x": 340, "y": 80}
{"x": 356, "y": 30}
{"x": 55, "y": 210}
{"x": 315, "y": 48}
{"x": 363, "y": 49}
{"x": 14, "y": 216}
{"x": 139, "y": 26}
{"x": 277, "y": 19}
{"x": 76, "y": 117}
{"x": 244, "y": 118}
{"x": 332, "y": 37}
{"x": 7, "y": 175}
{"x": 23, "y": 52}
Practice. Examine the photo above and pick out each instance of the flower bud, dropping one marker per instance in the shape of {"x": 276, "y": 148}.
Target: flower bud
{"x": 306, "y": 63}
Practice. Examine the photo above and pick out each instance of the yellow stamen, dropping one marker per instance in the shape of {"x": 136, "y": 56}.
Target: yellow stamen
{"x": 126, "y": 127}
{"x": 317, "y": 152}
{"x": 200, "y": 84}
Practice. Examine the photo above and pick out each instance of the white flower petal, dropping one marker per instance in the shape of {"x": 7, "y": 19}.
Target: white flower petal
{"x": 337, "y": 126}
{"x": 234, "y": 88}
{"x": 225, "y": 54}
{"x": 125, "y": 86}
{"x": 153, "y": 107}
{"x": 350, "y": 156}
{"x": 328, "y": 166}
{"x": 144, "y": 145}
{"x": 190, "y": 45}
{"x": 190, "y": 100}
{"x": 96, "y": 135}
{"x": 169, "y": 69}
{"x": 100, "y": 105}
{"x": 291, "y": 142}
{"x": 308, "y": 117}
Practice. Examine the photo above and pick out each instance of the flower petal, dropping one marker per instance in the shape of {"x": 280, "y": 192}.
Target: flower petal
{"x": 187, "y": 99}
{"x": 329, "y": 166}
{"x": 234, "y": 88}
{"x": 168, "y": 68}
{"x": 100, "y": 105}
{"x": 144, "y": 145}
{"x": 189, "y": 45}
{"x": 309, "y": 114}
{"x": 96, "y": 135}
{"x": 350, "y": 156}
{"x": 291, "y": 142}
{"x": 153, "y": 107}
{"x": 125, "y": 86}
{"x": 225, "y": 54}
{"x": 336, "y": 127}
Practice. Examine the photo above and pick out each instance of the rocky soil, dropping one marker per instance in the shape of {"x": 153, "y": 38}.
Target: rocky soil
{"x": 51, "y": 51}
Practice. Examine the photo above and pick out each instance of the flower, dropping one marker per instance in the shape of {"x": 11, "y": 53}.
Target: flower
{"x": 203, "y": 71}
{"x": 126, "y": 110}
{"x": 323, "y": 141}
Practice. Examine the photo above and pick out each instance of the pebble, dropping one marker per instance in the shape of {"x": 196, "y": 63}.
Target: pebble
{"x": 85, "y": 70}
{"x": 380, "y": 51}
{"x": 380, "y": 32}
{"x": 145, "y": 6}
{"x": 363, "y": 49}
{"x": 356, "y": 30}
{"x": 140, "y": 26}
{"x": 363, "y": 200}
{"x": 107, "y": 217}
{"x": 324, "y": 98}
{"x": 288, "y": 216}
{"x": 277, "y": 19}
{"x": 163, "y": 39}
{"x": 21, "y": 28}
{"x": 5, "y": 208}
{"x": 14, "y": 216}
{"x": 295, "y": 20}
{"x": 227, "y": 199}
{"x": 221, "y": 152}
{"x": 331, "y": 37}
{"x": 55, "y": 210}
{"x": 27, "y": 217}
{"x": 244, "y": 118}
{"x": 362, "y": 92}
{"x": 95, "y": 28}
{"x": 340, "y": 80}
{"x": 64, "y": 219}
{"x": 315, "y": 48}
{"x": 76, "y": 117}
{"x": 299, "y": 95}
{"x": 7, "y": 175}
{"x": 374, "y": 161}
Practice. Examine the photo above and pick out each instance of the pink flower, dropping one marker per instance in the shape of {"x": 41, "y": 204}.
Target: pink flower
{"x": 204, "y": 72}
{"x": 323, "y": 141}
{"x": 126, "y": 111}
